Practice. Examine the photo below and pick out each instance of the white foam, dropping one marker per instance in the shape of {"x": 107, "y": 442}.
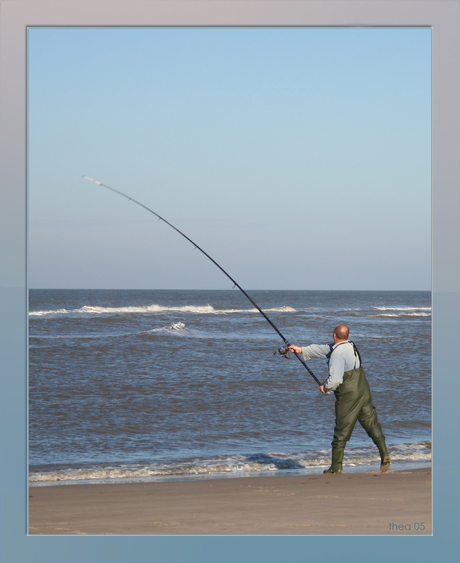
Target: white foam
{"x": 419, "y": 452}
{"x": 154, "y": 308}
{"x": 403, "y": 315}
{"x": 176, "y": 326}
{"x": 402, "y": 308}
{"x": 44, "y": 313}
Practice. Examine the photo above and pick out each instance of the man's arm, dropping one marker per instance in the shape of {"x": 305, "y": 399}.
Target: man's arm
{"x": 312, "y": 351}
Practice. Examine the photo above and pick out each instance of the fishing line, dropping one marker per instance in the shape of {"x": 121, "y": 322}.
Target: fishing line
{"x": 283, "y": 350}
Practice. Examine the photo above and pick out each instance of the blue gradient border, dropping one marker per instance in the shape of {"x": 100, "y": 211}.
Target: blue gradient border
{"x": 15, "y": 544}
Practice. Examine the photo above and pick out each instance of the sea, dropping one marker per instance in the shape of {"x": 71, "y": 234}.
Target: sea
{"x": 150, "y": 385}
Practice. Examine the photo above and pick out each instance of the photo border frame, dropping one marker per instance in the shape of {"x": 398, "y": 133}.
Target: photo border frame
{"x": 443, "y": 17}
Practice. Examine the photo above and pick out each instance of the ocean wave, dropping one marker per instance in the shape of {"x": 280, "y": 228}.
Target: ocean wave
{"x": 402, "y": 308}
{"x": 234, "y": 464}
{"x": 195, "y": 309}
{"x": 208, "y": 309}
{"x": 47, "y": 313}
{"x": 402, "y": 315}
{"x": 174, "y": 327}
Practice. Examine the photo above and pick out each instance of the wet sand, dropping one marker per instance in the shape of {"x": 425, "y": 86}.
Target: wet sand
{"x": 397, "y": 502}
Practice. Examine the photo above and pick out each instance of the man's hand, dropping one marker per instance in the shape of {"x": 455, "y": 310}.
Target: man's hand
{"x": 295, "y": 349}
{"x": 322, "y": 389}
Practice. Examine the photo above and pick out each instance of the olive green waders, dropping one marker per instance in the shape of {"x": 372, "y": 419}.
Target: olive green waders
{"x": 353, "y": 402}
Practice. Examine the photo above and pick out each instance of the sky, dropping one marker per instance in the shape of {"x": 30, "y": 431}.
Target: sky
{"x": 298, "y": 158}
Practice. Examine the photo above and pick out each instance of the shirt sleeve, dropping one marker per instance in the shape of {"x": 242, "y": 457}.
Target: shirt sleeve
{"x": 315, "y": 351}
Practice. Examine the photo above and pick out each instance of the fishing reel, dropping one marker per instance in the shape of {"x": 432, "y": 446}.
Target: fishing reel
{"x": 283, "y": 351}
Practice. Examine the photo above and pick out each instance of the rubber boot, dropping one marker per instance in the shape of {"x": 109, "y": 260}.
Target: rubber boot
{"x": 384, "y": 456}
{"x": 337, "y": 457}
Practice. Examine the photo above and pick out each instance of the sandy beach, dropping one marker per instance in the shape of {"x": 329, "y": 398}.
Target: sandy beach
{"x": 397, "y": 502}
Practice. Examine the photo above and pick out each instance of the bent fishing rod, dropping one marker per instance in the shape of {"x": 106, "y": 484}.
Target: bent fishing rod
{"x": 283, "y": 350}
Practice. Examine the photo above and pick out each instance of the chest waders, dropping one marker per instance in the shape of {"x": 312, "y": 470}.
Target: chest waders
{"x": 353, "y": 402}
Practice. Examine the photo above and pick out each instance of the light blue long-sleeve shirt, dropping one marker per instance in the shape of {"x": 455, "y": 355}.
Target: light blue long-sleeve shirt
{"x": 341, "y": 358}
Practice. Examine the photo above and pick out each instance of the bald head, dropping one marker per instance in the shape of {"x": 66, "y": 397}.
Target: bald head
{"x": 341, "y": 332}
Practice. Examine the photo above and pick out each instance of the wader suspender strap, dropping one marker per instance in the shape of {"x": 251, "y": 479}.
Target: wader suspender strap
{"x": 355, "y": 350}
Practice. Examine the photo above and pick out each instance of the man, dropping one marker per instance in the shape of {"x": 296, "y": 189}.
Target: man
{"x": 353, "y": 401}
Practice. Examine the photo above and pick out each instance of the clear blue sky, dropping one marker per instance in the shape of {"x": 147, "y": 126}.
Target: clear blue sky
{"x": 297, "y": 158}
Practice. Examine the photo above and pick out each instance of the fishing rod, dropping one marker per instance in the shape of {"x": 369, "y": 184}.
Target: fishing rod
{"x": 284, "y": 349}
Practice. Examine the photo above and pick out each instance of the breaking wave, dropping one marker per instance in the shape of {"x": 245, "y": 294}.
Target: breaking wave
{"x": 46, "y": 313}
{"x": 147, "y": 309}
{"x": 402, "y": 308}
{"x": 403, "y": 315}
{"x": 234, "y": 465}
